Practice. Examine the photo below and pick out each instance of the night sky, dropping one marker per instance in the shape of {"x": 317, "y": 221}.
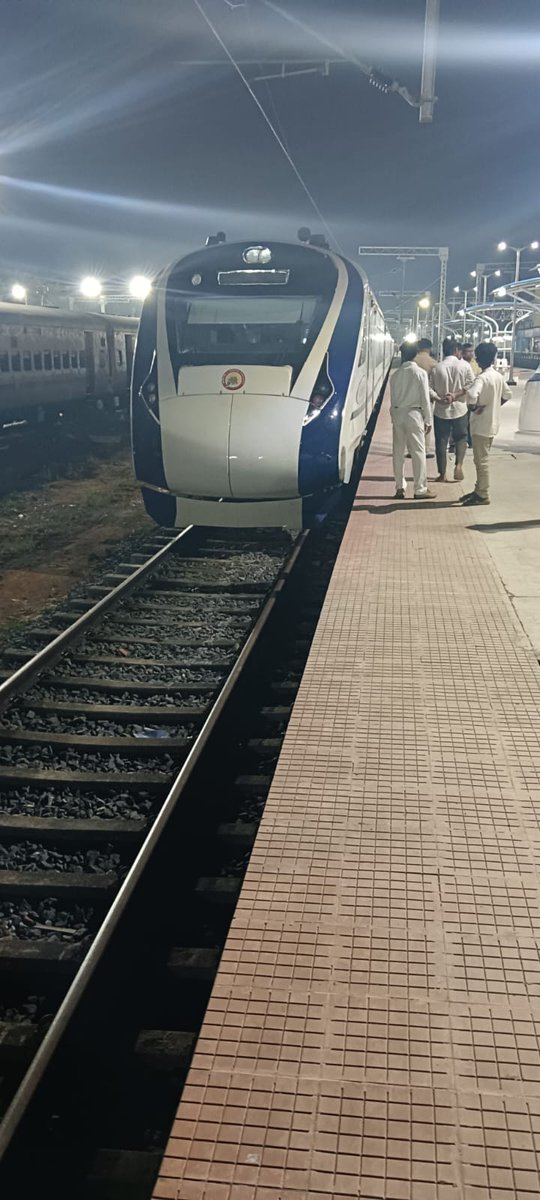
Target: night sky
{"x": 119, "y": 152}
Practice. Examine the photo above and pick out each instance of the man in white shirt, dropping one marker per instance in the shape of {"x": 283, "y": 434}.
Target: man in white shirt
{"x": 411, "y": 420}
{"x": 449, "y": 382}
{"x": 488, "y": 392}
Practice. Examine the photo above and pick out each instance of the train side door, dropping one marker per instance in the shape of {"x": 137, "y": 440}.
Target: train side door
{"x": 90, "y": 363}
{"x": 110, "y": 353}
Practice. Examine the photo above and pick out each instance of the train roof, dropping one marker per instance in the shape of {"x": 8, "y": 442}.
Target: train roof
{"x": 33, "y": 314}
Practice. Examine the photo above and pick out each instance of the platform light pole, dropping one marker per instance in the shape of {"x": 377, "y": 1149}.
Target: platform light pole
{"x": 518, "y": 251}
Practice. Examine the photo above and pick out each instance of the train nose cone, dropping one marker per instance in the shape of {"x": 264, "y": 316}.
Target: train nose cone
{"x": 264, "y": 446}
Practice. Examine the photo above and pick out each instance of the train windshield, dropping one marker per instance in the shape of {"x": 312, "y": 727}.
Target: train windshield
{"x": 270, "y": 330}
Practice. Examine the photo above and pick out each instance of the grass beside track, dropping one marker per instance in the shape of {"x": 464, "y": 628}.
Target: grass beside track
{"x": 52, "y": 537}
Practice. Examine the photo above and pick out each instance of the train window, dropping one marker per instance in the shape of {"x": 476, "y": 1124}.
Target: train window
{"x": 38, "y": 362}
{"x": 13, "y": 341}
{"x": 74, "y": 360}
{"x": 266, "y": 329}
{"x": 102, "y": 341}
{"x": 120, "y": 357}
{"x": 16, "y": 362}
{"x": 65, "y": 360}
{"x": 102, "y": 359}
{"x": 57, "y": 361}
{"x": 27, "y": 361}
{"x": 47, "y": 360}
{"x": 4, "y": 363}
{"x": 82, "y": 358}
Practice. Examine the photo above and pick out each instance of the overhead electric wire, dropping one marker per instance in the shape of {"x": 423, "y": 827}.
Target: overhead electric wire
{"x": 376, "y": 77}
{"x": 274, "y": 131}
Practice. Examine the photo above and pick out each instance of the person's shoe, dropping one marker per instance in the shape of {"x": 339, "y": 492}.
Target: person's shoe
{"x": 467, "y": 496}
{"x": 475, "y": 499}
{"x": 427, "y": 495}
{"x": 430, "y": 454}
{"x": 458, "y": 472}
{"x": 399, "y": 494}
{"x": 441, "y": 479}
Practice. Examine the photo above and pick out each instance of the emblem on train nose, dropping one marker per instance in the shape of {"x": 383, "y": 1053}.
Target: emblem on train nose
{"x": 233, "y": 380}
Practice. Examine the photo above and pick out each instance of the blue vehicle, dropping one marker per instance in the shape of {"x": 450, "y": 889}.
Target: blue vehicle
{"x": 256, "y": 370}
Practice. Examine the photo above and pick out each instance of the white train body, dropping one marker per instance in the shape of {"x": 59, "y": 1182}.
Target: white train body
{"x": 256, "y": 371}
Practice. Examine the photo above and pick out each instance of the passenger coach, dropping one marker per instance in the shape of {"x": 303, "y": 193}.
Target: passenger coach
{"x": 256, "y": 370}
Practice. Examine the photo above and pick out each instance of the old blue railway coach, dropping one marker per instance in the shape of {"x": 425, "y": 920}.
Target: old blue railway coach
{"x": 256, "y": 370}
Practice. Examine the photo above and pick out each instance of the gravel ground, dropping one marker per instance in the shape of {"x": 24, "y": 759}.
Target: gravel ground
{"x": 145, "y": 674}
{"x": 33, "y": 856}
{"x": 89, "y": 726}
{"x": 133, "y": 649}
{"x": 94, "y": 696}
{"x": 61, "y": 801}
{"x": 46, "y": 758}
{"x": 27, "y": 1013}
{"x": 44, "y": 919}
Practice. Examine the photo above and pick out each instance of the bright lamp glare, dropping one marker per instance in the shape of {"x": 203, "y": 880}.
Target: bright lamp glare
{"x": 534, "y": 245}
{"x": 473, "y": 274}
{"x": 90, "y": 287}
{"x": 18, "y": 292}
{"x": 410, "y": 337}
{"x": 457, "y": 289}
{"x": 497, "y": 274}
{"x": 424, "y": 302}
{"x": 501, "y": 246}
{"x": 500, "y": 291}
{"x": 139, "y": 287}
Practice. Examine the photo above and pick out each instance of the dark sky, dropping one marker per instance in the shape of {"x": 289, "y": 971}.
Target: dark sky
{"x": 119, "y": 152}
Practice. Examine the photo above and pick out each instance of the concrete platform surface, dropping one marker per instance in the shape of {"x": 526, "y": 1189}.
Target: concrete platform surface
{"x": 374, "y": 1028}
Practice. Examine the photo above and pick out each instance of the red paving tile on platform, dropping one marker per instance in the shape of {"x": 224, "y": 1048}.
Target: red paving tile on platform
{"x": 374, "y": 1028}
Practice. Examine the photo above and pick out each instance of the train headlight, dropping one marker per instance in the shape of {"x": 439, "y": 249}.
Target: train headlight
{"x": 322, "y": 393}
{"x": 257, "y": 254}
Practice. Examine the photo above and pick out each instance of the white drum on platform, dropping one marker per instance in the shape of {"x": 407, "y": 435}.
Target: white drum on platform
{"x": 529, "y": 413}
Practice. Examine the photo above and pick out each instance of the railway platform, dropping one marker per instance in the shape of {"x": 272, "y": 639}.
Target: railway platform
{"x": 374, "y": 1028}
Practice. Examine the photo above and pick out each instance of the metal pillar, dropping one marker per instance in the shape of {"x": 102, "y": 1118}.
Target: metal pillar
{"x": 429, "y": 62}
{"x": 443, "y": 256}
{"x": 511, "y": 379}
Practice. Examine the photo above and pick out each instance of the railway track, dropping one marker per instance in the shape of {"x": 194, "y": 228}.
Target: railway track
{"x": 162, "y": 706}
{"x": 99, "y": 716}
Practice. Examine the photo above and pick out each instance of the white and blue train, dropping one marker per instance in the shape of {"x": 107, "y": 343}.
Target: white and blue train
{"x": 256, "y": 370}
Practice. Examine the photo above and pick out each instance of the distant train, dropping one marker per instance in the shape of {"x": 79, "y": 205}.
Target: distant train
{"x": 51, "y": 359}
{"x": 256, "y": 370}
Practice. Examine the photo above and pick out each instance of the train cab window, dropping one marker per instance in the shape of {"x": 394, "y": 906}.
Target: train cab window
{"x": 38, "y": 362}
{"x": 4, "y": 363}
{"x": 65, "y": 360}
{"x": 16, "y": 362}
{"x": 57, "y": 361}
{"x": 27, "y": 361}
{"x": 82, "y": 358}
{"x": 102, "y": 341}
{"x": 269, "y": 330}
{"x": 120, "y": 358}
{"x": 47, "y": 360}
{"x": 74, "y": 360}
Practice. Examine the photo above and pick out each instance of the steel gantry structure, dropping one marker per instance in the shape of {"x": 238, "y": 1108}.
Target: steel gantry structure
{"x": 406, "y": 254}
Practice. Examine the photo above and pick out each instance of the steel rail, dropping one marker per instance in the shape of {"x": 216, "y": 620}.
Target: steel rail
{"x": 29, "y": 671}
{"x": 33, "y": 1076}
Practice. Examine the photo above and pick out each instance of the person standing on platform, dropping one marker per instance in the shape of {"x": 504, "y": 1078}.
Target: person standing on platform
{"x": 488, "y": 392}
{"x": 411, "y": 420}
{"x": 450, "y": 380}
{"x": 467, "y": 354}
{"x": 425, "y": 360}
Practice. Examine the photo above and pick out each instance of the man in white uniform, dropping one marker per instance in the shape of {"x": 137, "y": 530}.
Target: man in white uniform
{"x": 449, "y": 380}
{"x": 411, "y": 420}
{"x": 488, "y": 392}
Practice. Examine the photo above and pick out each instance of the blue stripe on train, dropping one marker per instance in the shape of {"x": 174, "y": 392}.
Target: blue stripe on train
{"x": 318, "y": 466}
